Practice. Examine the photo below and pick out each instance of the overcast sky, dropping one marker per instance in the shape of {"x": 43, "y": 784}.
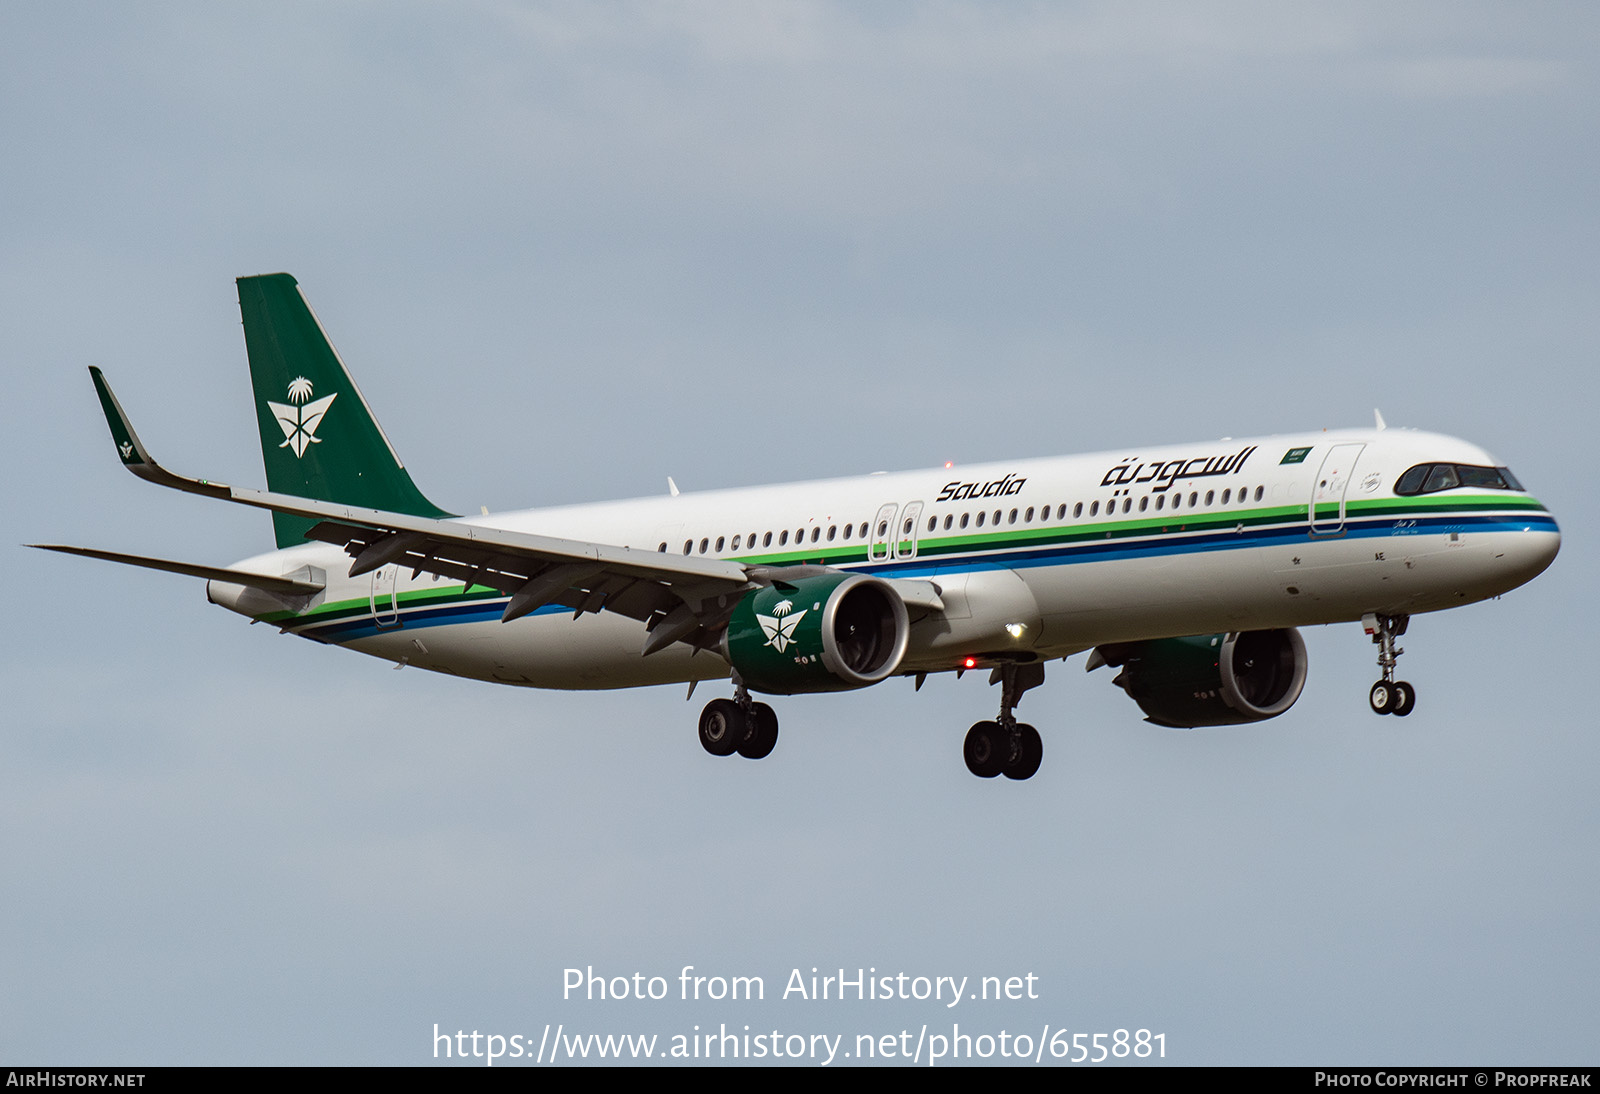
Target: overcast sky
{"x": 572, "y": 249}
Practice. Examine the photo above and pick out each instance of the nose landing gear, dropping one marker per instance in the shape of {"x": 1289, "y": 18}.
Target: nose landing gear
{"x": 1388, "y": 695}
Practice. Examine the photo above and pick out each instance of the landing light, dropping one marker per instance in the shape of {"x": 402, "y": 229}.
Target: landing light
{"x": 1015, "y": 629}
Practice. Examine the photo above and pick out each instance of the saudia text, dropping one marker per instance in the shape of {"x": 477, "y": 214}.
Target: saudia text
{"x": 1160, "y": 475}
{"x": 1164, "y": 474}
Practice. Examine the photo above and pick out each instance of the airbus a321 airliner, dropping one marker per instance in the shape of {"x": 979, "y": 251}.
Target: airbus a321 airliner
{"x": 1186, "y": 567}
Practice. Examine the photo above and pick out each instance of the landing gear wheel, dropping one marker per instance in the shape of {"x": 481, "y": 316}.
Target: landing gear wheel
{"x": 723, "y": 727}
{"x": 1030, "y": 754}
{"x": 1389, "y": 696}
{"x": 1382, "y": 697}
{"x": 986, "y": 749}
{"x": 763, "y": 733}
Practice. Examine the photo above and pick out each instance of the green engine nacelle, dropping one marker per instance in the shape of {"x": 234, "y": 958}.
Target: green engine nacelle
{"x": 831, "y": 632}
{"x": 1212, "y": 679}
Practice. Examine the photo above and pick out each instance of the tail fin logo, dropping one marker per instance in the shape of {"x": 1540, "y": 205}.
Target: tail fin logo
{"x": 300, "y": 416}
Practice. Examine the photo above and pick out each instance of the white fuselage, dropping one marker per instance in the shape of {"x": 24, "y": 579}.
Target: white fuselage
{"x": 1046, "y": 556}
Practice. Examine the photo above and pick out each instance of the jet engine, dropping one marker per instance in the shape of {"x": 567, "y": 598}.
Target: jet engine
{"x": 1210, "y": 679}
{"x": 828, "y": 632}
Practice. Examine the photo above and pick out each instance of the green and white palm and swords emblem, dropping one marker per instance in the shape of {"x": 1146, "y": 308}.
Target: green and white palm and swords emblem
{"x": 300, "y": 416}
{"x": 779, "y": 626}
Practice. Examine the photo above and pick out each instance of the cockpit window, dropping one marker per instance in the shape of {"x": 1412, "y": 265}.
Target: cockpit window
{"x": 1492, "y": 478}
{"x": 1442, "y": 477}
{"x": 1428, "y": 478}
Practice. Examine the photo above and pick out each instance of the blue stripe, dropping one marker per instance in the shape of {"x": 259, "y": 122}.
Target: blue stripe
{"x": 1154, "y": 545}
{"x": 1173, "y": 543}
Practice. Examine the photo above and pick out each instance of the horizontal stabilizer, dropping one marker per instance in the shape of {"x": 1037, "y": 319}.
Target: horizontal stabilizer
{"x": 266, "y": 582}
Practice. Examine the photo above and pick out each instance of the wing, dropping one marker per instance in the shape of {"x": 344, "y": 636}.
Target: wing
{"x": 679, "y": 598}
{"x": 272, "y": 583}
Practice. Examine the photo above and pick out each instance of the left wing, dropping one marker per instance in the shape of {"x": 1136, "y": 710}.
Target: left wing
{"x": 677, "y": 597}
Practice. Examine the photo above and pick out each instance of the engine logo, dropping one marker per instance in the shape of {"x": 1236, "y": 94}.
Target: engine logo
{"x": 779, "y": 627}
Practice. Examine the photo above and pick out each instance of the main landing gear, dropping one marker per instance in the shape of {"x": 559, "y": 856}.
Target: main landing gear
{"x": 1007, "y": 746}
{"x": 738, "y": 725}
{"x": 1388, "y": 695}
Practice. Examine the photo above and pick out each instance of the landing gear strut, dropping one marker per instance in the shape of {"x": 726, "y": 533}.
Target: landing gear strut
{"x": 1007, "y": 746}
{"x": 1388, "y": 695}
{"x": 739, "y": 725}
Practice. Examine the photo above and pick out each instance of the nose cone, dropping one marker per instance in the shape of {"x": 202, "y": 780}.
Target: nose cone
{"x": 1531, "y": 552}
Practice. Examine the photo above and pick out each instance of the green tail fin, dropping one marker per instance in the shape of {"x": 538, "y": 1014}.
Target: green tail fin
{"x": 318, "y": 437}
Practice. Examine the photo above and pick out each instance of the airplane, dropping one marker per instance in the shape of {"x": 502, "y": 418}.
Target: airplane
{"x": 1186, "y": 567}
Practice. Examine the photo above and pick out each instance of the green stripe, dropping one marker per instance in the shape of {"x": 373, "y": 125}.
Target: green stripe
{"x": 972, "y": 542}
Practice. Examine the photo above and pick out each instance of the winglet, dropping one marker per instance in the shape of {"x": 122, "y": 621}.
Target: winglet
{"x": 135, "y": 457}
{"x": 1377, "y": 416}
{"x": 132, "y": 453}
